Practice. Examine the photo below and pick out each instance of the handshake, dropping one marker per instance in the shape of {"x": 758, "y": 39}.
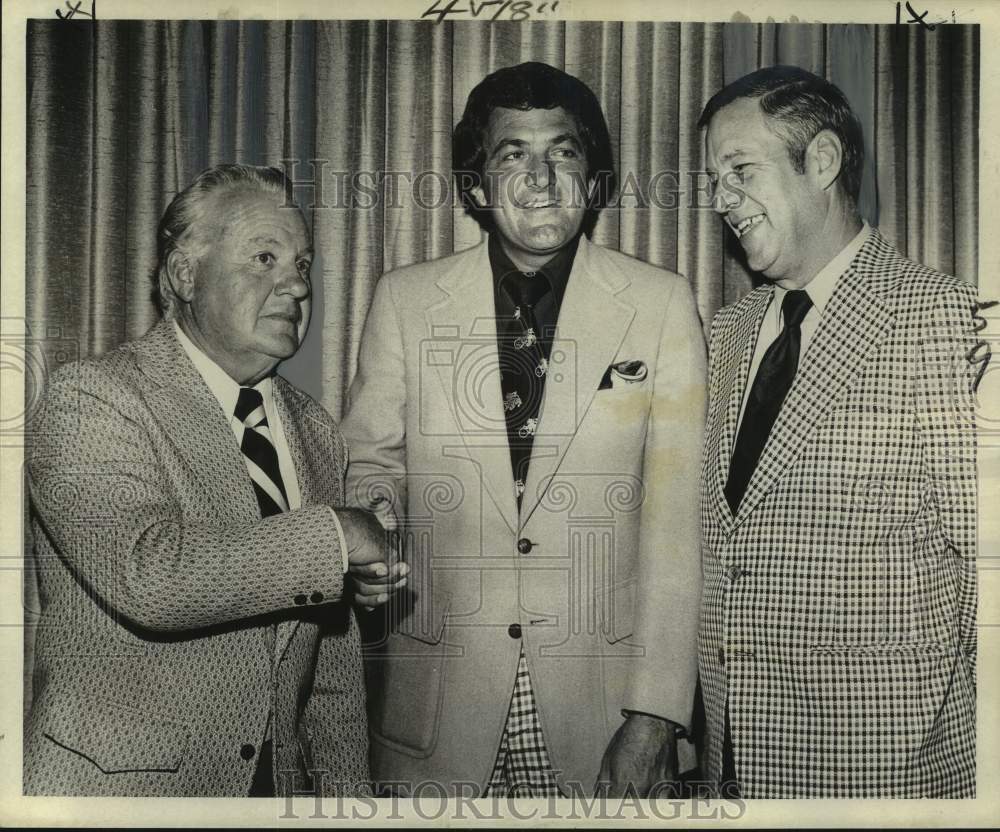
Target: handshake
{"x": 375, "y": 569}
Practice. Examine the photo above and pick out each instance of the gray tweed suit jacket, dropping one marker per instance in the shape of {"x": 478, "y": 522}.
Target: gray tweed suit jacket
{"x": 174, "y": 619}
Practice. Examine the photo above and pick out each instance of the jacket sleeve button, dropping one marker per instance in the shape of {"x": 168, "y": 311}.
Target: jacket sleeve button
{"x": 316, "y": 597}
{"x": 299, "y": 600}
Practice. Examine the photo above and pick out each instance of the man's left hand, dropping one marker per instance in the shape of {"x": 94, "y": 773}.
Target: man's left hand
{"x": 642, "y": 752}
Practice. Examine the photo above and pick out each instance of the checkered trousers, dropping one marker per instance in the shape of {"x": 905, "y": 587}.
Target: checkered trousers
{"x": 522, "y": 767}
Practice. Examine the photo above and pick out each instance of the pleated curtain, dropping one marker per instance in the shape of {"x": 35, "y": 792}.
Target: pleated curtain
{"x": 123, "y": 114}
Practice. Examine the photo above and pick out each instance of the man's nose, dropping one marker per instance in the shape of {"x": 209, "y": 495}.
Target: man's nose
{"x": 294, "y": 283}
{"x": 724, "y": 199}
{"x": 540, "y": 173}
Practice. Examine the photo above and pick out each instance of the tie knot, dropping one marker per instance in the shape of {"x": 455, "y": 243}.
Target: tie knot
{"x": 795, "y": 307}
{"x": 249, "y": 400}
{"x": 526, "y": 289}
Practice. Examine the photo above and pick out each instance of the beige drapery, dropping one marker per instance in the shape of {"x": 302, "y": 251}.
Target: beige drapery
{"x": 123, "y": 114}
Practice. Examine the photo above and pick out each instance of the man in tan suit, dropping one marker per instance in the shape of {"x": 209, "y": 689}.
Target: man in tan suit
{"x": 195, "y": 567}
{"x": 528, "y": 414}
{"x": 838, "y": 639}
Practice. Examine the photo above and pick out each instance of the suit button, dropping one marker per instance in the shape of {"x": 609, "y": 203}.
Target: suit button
{"x": 722, "y": 657}
{"x": 299, "y": 600}
{"x": 316, "y": 597}
{"x": 514, "y": 631}
{"x": 524, "y": 545}
{"x": 247, "y": 751}
{"x": 734, "y": 573}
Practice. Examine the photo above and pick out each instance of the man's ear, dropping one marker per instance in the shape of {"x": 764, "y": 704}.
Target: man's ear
{"x": 479, "y": 197}
{"x": 824, "y": 158}
{"x": 180, "y": 273}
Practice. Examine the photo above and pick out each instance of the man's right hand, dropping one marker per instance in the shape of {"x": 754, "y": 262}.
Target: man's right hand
{"x": 374, "y": 563}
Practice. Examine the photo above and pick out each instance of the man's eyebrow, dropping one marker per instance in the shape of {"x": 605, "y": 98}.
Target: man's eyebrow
{"x": 572, "y": 138}
{"x": 263, "y": 241}
{"x": 505, "y": 142}
{"x": 732, "y": 154}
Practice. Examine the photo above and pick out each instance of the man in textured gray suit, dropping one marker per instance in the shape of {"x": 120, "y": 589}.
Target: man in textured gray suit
{"x": 196, "y": 636}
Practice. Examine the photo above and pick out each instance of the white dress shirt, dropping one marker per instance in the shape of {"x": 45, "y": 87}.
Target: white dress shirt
{"x": 227, "y": 392}
{"x": 820, "y": 290}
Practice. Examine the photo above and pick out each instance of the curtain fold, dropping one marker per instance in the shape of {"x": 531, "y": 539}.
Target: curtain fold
{"x": 700, "y": 248}
{"x": 122, "y": 114}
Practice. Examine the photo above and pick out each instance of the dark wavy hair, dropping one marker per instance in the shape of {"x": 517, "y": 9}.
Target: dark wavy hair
{"x": 185, "y": 222}
{"x": 799, "y": 105}
{"x": 531, "y": 86}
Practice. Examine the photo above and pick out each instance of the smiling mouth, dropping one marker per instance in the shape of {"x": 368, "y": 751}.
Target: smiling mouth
{"x": 539, "y": 204}
{"x": 744, "y": 226}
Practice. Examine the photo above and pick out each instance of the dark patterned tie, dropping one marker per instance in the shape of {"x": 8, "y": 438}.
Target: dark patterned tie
{"x": 774, "y": 378}
{"x": 262, "y": 458}
{"x": 523, "y": 364}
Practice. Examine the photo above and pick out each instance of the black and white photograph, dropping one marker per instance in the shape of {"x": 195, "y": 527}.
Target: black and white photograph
{"x": 457, "y": 412}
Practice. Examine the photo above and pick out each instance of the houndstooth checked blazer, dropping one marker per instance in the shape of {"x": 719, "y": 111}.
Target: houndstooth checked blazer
{"x": 839, "y": 604}
{"x": 156, "y": 661}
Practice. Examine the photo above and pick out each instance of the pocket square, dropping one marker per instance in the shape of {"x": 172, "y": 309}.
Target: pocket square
{"x": 630, "y": 372}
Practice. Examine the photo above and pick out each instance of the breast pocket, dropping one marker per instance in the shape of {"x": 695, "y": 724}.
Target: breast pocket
{"x": 616, "y": 420}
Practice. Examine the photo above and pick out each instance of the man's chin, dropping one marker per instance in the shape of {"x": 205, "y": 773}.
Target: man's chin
{"x": 549, "y": 240}
{"x": 280, "y": 349}
{"x": 756, "y": 260}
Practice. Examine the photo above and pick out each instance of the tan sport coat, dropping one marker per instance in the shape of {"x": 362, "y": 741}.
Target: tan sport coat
{"x": 600, "y": 570}
{"x": 173, "y": 618}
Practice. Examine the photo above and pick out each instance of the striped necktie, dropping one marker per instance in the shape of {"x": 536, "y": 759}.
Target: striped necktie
{"x": 261, "y": 457}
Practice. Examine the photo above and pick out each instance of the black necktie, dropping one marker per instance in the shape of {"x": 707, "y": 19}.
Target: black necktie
{"x": 774, "y": 377}
{"x": 523, "y": 365}
{"x": 258, "y": 448}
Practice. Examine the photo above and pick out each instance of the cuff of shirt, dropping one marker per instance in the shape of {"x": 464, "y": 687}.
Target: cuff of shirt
{"x": 676, "y": 727}
{"x": 344, "y": 560}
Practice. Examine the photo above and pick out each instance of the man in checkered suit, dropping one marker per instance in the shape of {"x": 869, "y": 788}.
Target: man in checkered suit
{"x": 837, "y": 648}
{"x": 551, "y": 637}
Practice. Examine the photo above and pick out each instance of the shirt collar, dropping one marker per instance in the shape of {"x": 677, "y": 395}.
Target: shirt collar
{"x": 223, "y": 387}
{"x": 556, "y": 271}
{"x": 820, "y": 288}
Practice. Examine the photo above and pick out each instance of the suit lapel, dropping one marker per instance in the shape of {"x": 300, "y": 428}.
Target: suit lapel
{"x": 190, "y": 415}
{"x": 291, "y": 418}
{"x": 591, "y": 327}
{"x": 463, "y": 335}
{"x": 854, "y": 322}
{"x": 736, "y": 347}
